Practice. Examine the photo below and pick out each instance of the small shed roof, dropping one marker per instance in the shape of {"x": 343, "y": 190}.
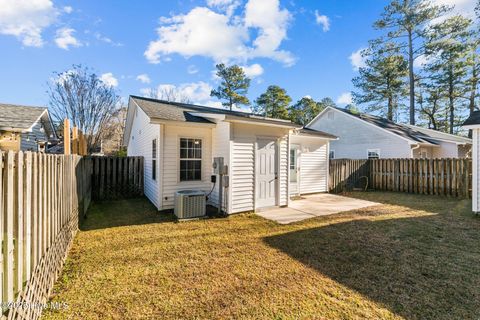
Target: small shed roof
{"x": 18, "y": 117}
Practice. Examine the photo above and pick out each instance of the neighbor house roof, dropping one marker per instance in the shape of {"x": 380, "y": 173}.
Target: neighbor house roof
{"x": 474, "y": 119}
{"x": 413, "y": 133}
{"x": 19, "y": 118}
{"x": 175, "y": 111}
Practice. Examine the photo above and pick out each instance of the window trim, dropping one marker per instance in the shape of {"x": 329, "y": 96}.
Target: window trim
{"x": 202, "y": 139}
{"x": 154, "y": 159}
{"x": 377, "y": 150}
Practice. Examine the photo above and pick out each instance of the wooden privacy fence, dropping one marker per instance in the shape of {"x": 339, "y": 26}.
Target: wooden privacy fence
{"x": 448, "y": 177}
{"x": 117, "y": 177}
{"x": 41, "y": 197}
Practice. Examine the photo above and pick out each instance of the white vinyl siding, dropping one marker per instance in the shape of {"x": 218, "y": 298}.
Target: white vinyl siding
{"x": 143, "y": 133}
{"x": 283, "y": 171}
{"x": 356, "y": 137}
{"x": 171, "y": 161}
{"x": 220, "y": 148}
{"x": 243, "y": 175}
{"x": 475, "y": 170}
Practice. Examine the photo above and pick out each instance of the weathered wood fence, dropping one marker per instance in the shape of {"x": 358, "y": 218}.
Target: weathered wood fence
{"x": 41, "y": 199}
{"x": 448, "y": 177}
{"x": 117, "y": 177}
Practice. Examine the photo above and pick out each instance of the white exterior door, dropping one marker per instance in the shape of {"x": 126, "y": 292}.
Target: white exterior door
{"x": 266, "y": 174}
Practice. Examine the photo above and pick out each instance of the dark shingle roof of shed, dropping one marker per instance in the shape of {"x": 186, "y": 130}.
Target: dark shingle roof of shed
{"x": 316, "y": 133}
{"x": 473, "y": 119}
{"x": 19, "y": 117}
{"x": 176, "y": 111}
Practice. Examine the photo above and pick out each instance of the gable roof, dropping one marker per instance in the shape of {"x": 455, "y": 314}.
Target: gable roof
{"x": 442, "y": 136}
{"x": 18, "y": 117}
{"x": 316, "y": 133}
{"x": 175, "y": 111}
{"x": 413, "y": 134}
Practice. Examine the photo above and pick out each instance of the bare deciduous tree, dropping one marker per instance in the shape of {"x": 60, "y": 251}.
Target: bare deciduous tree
{"x": 79, "y": 95}
{"x": 168, "y": 93}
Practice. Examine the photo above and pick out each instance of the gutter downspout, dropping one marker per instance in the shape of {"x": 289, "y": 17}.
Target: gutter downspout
{"x": 414, "y": 148}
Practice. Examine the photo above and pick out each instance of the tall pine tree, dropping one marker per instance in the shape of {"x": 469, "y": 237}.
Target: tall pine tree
{"x": 233, "y": 87}
{"x": 304, "y": 110}
{"x": 406, "y": 22}
{"x": 273, "y": 103}
{"x": 381, "y": 82}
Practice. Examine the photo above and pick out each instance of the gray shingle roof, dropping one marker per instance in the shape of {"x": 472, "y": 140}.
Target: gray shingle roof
{"x": 473, "y": 119}
{"x": 316, "y": 133}
{"x": 176, "y": 111}
{"x": 413, "y": 133}
{"x": 18, "y": 117}
{"x": 441, "y": 135}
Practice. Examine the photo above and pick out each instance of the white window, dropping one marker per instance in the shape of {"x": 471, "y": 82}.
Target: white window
{"x": 330, "y": 115}
{"x": 154, "y": 159}
{"x": 190, "y": 159}
{"x": 331, "y": 154}
{"x": 373, "y": 153}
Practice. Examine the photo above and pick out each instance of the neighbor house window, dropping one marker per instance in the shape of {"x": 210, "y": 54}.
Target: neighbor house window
{"x": 423, "y": 154}
{"x": 154, "y": 159}
{"x": 331, "y": 154}
{"x": 373, "y": 153}
{"x": 190, "y": 159}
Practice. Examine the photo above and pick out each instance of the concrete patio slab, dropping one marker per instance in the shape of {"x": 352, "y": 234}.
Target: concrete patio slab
{"x": 312, "y": 206}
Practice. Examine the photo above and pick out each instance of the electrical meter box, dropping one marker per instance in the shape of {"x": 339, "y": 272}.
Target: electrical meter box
{"x": 218, "y": 165}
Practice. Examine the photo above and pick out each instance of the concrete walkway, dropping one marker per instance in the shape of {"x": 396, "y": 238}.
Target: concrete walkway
{"x": 311, "y": 206}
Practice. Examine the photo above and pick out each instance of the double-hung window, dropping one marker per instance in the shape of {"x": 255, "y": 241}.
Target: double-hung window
{"x": 190, "y": 159}
{"x": 154, "y": 159}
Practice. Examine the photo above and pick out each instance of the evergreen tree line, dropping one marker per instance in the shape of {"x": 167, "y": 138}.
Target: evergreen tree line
{"x": 426, "y": 61}
{"x": 273, "y": 103}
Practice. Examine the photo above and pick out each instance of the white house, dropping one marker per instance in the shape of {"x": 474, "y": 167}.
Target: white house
{"x": 26, "y": 128}
{"x": 473, "y": 123}
{"x": 364, "y": 136}
{"x": 268, "y": 159}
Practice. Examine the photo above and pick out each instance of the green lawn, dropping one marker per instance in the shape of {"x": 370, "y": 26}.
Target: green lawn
{"x": 413, "y": 257}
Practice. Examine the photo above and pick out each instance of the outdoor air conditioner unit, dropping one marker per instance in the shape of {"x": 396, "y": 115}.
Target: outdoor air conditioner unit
{"x": 189, "y": 204}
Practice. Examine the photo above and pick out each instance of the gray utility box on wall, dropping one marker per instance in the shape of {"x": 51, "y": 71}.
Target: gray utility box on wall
{"x": 189, "y": 204}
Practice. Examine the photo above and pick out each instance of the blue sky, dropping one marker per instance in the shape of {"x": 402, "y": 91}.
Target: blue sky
{"x": 304, "y": 46}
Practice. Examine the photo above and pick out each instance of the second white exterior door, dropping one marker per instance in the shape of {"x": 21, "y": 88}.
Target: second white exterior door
{"x": 266, "y": 173}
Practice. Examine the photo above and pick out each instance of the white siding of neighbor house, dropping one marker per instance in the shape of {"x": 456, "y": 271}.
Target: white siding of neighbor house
{"x": 140, "y": 144}
{"x": 356, "y": 137}
{"x": 171, "y": 163}
{"x": 446, "y": 150}
{"x": 37, "y": 133}
{"x": 220, "y": 148}
{"x": 313, "y": 163}
{"x": 243, "y": 164}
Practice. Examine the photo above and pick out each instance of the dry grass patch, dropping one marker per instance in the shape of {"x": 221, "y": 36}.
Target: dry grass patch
{"x": 413, "y": 257}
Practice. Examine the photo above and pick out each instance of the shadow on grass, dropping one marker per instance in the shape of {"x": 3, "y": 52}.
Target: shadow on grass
{"x": 128, "y": 212}
{"x": 424, "y": 267}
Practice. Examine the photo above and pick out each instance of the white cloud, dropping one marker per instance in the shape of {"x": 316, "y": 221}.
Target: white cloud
{"x": 26, "y": 19}
{"x": 67, "y": 9}
{"x": 105, "y": 39}
{"x": 322, "y": 20}
{"x": 109, "y": 79}
{"x": 143, "y": 78}
{"x": 253, "y": 70}
{"x": 345, "y": 98}
{"x": 228, "y": 6}
{"x": 466, "y": 7}
{"x": 357, "y": 60}
{"x": 64, "y": 38}
{"x": 224, "y": 38}
{"x": 192, "y": 69}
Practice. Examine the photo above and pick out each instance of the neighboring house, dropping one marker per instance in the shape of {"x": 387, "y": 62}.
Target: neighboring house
{"x": 25, "y": 128}
{"x": 268, "y": 159}
{"x": 364, "y": 136}
{"x": 473, "y": 123}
